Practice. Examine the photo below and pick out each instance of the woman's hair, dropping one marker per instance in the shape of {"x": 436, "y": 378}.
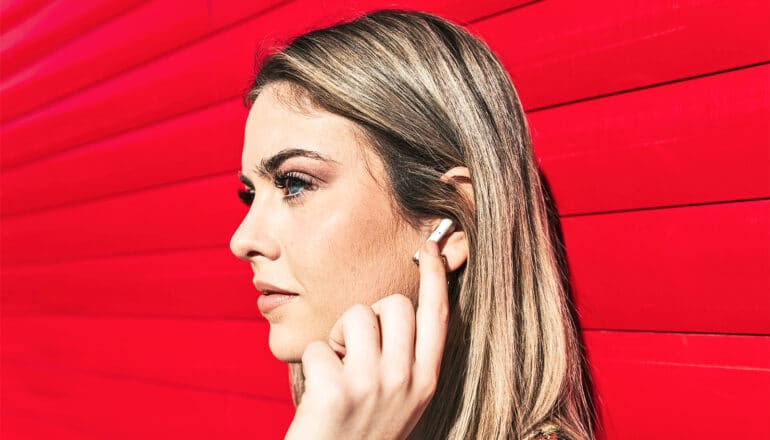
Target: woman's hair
{"x": 428, "y": 96}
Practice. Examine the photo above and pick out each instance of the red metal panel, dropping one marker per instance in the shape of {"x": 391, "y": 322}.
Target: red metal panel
{"x": 320, "y": 13}
{"x": 13, "y": 12}
{"x": 144, "y": 33}
{"x": 703, "y": 268}
{"x": 197, "y": 144}
{"x": 208, "y": 283}
{"x": 189, "y": 215}
{"x": 51, "y": 27}
{"x": 698, "y": 141}
{"x": 162, "y": 26}
{"x": 679, "y": 385}
{"x": 29, "y": 425}
{"x": 561, "y": 50}
{"x": 123, "y": 408}
{"x": 214, "y": 355}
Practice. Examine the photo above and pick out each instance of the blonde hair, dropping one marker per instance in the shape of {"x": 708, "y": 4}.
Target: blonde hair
{"x": 429, "y": 96}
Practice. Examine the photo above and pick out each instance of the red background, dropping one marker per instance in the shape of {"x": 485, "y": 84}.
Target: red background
{"x": 125, "y": 316}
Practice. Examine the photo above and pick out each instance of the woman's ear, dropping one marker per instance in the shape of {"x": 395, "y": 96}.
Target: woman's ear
{"x": 455, "y": 245}
{"x": 455, "y": 248}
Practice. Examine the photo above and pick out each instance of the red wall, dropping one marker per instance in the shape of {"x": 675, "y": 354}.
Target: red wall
{"x": 125, "y": 316}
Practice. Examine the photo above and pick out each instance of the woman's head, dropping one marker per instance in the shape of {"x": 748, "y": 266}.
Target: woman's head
{"x": 323, "y": 223}
{"x": 410, "y": 119}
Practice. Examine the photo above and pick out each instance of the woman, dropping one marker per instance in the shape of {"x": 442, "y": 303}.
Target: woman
{"x": 361, "y": 138}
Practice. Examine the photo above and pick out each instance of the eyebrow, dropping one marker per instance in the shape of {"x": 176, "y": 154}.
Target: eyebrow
{"x": 267, "y": 167}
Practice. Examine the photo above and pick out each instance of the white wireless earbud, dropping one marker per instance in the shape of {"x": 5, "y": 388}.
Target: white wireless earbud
{"x": 445, "y": 227}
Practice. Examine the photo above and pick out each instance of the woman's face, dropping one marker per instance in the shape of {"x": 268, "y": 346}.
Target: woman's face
{"x": 321, "y": 223}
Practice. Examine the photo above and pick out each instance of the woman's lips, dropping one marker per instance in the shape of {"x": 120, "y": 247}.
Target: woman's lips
{"x": 268, "y": 301}
{"x": 271, "y": 296}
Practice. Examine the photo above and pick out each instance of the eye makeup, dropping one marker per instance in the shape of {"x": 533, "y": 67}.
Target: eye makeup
{"x": 269, "y": 166}
{"x": 293, "y": 183}
{"x": 246, "y": 195}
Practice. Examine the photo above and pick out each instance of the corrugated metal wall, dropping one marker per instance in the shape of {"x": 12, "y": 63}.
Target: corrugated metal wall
{"x": 125, "y": 316}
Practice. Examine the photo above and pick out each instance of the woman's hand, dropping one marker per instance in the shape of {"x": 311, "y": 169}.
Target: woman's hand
{"x": 375, "y": 377}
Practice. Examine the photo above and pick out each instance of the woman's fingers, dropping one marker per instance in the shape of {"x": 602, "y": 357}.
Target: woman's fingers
{"x": 319, "y": 363}
{"x": 391, "y": 337}
{"x": 380, "y": 367}
{"x": 397, "y": 318}
{"x": 356, "y": 336}
{"x": 432, "y": 314}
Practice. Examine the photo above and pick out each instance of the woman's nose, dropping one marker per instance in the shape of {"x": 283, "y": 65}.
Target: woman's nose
{"x": 253, "y": 238}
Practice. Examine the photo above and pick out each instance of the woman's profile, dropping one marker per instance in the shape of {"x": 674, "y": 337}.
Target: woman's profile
{"x": 361, "y": 138}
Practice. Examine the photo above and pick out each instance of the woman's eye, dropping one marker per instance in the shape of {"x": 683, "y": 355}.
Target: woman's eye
{"x": 293, "y": 184}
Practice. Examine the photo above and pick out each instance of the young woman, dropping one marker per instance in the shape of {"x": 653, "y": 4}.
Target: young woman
{"x": 361, "y": 139}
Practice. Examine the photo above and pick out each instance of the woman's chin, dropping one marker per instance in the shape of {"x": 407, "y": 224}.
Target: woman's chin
{"x": 285, "y": 347}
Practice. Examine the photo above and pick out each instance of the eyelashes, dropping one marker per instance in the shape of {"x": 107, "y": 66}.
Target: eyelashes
{"x": 246, "y": 195}
{"x": 293, "y": 184}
